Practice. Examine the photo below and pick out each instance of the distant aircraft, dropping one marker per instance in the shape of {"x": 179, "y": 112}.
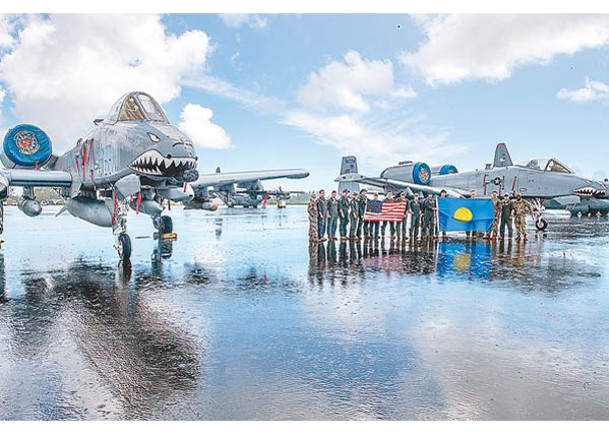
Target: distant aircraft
{"x": 537, "y": 179}
{"x": 133, "y": 158}
{"x": 240, "y": 188}
{"x": 576, "y": 205}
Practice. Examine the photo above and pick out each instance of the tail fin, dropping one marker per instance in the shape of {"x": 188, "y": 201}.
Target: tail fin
{"x": 348, "y": 165}
{"x": 218, "y": 170}
{"x": 502, "y": 156}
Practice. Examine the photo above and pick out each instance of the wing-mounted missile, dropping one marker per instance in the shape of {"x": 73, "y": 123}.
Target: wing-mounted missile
{"x": 26, "y": 146}
{"x": 418, "y": 173}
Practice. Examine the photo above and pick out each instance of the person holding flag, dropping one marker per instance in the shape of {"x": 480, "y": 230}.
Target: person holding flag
{"x": 463, "y": 214}
{"x": 388, "y": 198}
{"x": 400, "y": 227}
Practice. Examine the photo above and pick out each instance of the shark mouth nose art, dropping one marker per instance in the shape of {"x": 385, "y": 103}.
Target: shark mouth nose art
{"x": 154, "y": 163}
{"x": 589, "y": 191}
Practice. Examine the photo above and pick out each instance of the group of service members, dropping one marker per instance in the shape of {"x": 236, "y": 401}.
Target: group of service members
{"x": 346, "y": 214}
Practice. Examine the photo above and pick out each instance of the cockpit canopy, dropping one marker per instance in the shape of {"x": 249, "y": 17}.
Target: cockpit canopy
{"x": 547, "y": 165}
{"x": 137, "y": 106}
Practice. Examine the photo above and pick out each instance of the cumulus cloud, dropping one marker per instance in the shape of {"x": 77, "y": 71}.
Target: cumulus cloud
{"x": 592, "y": 91}
{"x": 356, "y": 106}
{"x": 376, "y": 140}
{"x": 490, "y": 47}
{"x": 83, "y": 63}
{"x": 196, "y": 122}
{"x": 350, "y": 84}
{"x": 254, "y": 21}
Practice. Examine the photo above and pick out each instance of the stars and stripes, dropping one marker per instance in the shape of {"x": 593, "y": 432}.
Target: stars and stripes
{"x": 384, "y": 211}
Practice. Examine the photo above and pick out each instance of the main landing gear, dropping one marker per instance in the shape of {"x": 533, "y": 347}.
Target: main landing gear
{"x": 122, "y": 242}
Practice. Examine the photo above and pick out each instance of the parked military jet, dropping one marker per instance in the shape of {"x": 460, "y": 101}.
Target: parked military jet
{"x": 240, "y": 188}
{"x": 132, "y": 158}
{"x": 576, "y": 205}
{"x": 539, "y": 179}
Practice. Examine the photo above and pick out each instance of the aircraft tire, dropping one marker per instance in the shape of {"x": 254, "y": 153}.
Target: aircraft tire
{"x": 124, "y": 247}
{"x": 541, "y": 224}
{"x": 165, "y": 225}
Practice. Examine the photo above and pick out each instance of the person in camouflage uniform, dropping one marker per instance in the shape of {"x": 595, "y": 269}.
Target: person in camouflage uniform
{"x": 312, "y": 212}
{"x": 415, "y": 217}
{"x": 521, "y": 209}
{"x": 353, "y": 217}
{"x": 497, "y": 211}
{"x": 507, "y": 211}
{"x": 343, "y": 213}
{"x": 332, "y": 215}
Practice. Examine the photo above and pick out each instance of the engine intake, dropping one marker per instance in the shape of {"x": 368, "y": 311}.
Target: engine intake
{"x": 26, "y": 146}
{"x": 419, "y": 172}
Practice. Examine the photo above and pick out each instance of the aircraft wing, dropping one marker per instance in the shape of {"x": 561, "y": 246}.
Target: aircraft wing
{"x": 225, "y": 178}
{"x": 410, "y": 188}
{"x": 35, "y": 178}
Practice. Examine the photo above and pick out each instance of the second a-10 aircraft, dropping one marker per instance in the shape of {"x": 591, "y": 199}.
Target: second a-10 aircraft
{"x": 541, "y": 180}
{"x": 132, "y": 159}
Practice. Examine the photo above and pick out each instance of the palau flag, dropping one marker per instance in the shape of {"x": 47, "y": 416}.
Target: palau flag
{"x": 462, "y": 214}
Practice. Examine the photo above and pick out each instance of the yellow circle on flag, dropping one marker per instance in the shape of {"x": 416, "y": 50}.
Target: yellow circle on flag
{"x": 463, "y": 214}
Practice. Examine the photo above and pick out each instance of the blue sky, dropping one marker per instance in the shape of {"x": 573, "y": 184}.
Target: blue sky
{"x": 299, "y": 90}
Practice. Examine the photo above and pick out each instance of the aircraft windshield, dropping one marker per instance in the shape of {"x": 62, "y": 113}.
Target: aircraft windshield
{"x": 152, "y": 108}
{"x": 548, "y": 165}
{"x": 130, "y": 111}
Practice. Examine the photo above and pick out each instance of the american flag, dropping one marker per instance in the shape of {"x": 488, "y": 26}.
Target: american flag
{"x": 384, "y": 211}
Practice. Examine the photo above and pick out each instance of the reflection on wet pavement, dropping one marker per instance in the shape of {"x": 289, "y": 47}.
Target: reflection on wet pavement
{"x": 241, "y": 318}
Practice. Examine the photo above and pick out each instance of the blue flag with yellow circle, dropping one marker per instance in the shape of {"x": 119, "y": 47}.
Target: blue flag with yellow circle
{"x": 465, "y": 214}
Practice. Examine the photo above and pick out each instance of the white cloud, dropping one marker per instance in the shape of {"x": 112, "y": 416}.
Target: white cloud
{"x": 483, "y": 46}
{"x": 254, "y": 21}
{"x": 592, "y": 91}
{"x": 83, "y": 63}
{"x": 377, "y": 141}
{"x": 349, "y": 85}
{"x": 196, "y": 122}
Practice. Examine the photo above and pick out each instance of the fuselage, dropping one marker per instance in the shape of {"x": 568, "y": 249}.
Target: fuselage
{"x": 513, "y": 179}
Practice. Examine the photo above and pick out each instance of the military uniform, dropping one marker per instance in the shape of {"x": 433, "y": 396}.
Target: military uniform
{"x": 497, "y": 212}
{"x": 521, "y": 209}
{"x": 333, "y": 217}
{"x": 362, "y": 224}
{"x": 343, "y": 212}
{"x": 507, "y": 207}
{"x": 353, "y": 217}
{"x": 415, "y": 219}
{"x": 312, "y": 212}
{"x": 322, "y": 216}
{"x": 404, "y": 223}
{"x": 429, "y": 209}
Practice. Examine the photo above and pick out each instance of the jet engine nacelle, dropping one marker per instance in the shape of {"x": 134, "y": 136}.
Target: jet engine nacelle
{"x": 25, "y": 146}
{"x": 419, "y": 172}
{"x": 95, "y": 211}
{"x": 30, "y": 207}
{"x": 444, "y": 170}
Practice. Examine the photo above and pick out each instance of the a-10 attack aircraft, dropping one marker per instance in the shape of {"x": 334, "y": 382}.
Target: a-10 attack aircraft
{"x": 133, "y": 158}
{"x": 537, "y": 179}
{"x": 241, "y": 188}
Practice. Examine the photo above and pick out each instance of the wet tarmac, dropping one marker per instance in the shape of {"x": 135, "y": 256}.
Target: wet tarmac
{"x": 240, "y": 319}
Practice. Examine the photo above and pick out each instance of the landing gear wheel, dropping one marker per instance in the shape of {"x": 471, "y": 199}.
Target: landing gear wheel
{"x": 541, "y": 224}
{"x": 124, "y": 247}
{"x": 165, "y": 225}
